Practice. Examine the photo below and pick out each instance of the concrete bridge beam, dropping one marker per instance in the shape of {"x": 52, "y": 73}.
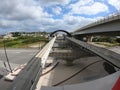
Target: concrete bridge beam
{"x": 109, "y": 56}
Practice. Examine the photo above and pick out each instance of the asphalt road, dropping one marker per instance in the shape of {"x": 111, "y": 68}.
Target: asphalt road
{"x": 16, "y": 58}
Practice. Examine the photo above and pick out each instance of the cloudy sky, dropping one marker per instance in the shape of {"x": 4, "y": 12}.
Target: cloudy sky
{"x": 50, "y": 15}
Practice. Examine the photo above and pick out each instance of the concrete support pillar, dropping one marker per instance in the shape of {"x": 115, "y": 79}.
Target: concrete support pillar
{"x": 69, "y": 62}
{"x": 89, "y": 38}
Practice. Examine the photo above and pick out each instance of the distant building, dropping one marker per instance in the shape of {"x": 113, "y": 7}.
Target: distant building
{"x": 8, "y": 36}
{"x": 35, "y": 34}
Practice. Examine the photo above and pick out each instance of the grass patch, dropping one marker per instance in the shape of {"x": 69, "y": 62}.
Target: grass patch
{"x": 23, "y": 42}
{"x": 107, "y": 44}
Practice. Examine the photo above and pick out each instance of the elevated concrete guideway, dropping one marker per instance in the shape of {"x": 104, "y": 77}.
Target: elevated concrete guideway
{"x": 29, "y": 76}
{"x": 108, "y": 55}
{"x": 107, "y": 25}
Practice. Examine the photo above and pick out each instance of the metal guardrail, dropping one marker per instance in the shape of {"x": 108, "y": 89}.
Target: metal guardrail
{"x": 28, "y": 78}
{"x": 108, "y": 55}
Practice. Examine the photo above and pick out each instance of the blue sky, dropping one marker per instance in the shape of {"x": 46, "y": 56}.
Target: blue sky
{"x": 50, "y": 15}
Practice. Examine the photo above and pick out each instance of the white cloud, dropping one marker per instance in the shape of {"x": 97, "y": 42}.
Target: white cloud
{"x": 21, "y": 9}
{"x": 29, "y": 15}
{"x": 115, "y": 3}
{"x": 88, "y": 7}
{"x": 53, "y": 2}
{"x": 72, "y": 20}
{"x": 68, "y": 23}
{"x": 57, "y": 10}
{"x": 21, "y": 15}
{"x": 7, "y": 23}
{"x": 75, "y": 22}
{"x": 83, "y": 3}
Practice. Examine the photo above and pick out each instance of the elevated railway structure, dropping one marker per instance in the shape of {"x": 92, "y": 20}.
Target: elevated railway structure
{"x": 107, "y": 26}
{"x": 110, "y": 25}
{"x": 28, "y": 77}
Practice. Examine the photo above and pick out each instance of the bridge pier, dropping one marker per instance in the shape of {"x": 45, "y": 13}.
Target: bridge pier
{"x": 89, "y": 38}
{"x": 69, "y": 62}
{"x": 84, "y": 38}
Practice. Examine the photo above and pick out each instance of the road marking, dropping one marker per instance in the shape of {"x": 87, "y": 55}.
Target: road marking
{"x": 17, "y": 52}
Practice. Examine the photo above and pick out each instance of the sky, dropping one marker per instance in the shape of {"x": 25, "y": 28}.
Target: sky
{"x": 51, "y": 15}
